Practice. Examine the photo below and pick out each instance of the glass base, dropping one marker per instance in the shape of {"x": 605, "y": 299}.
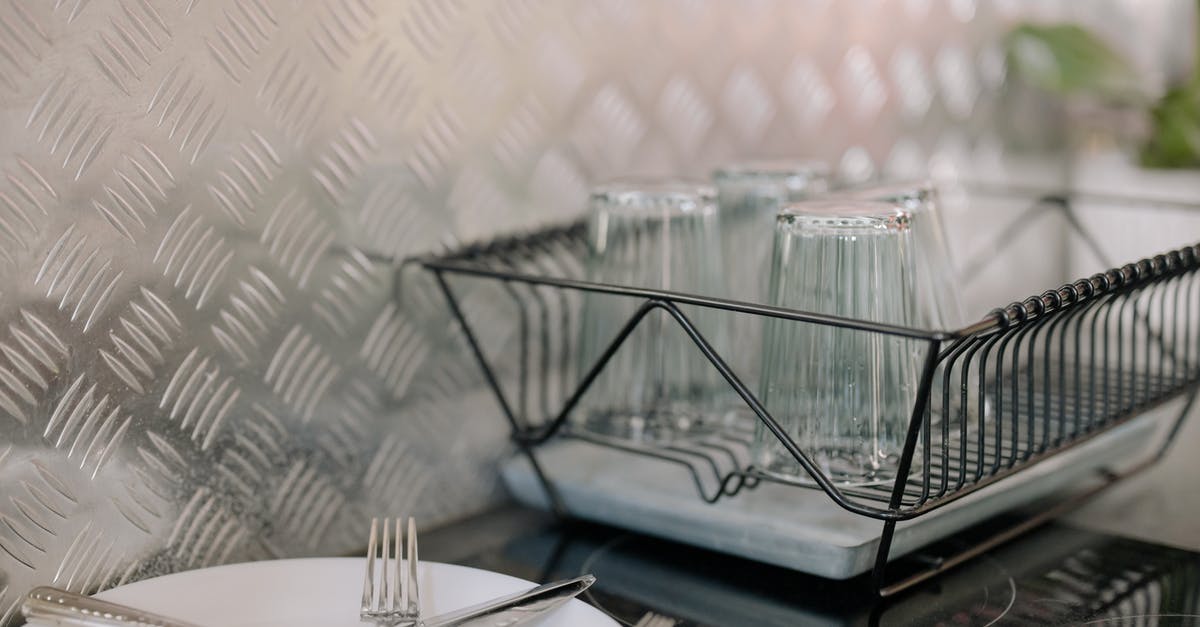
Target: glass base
{"x": 655, "y": 426}
{"x": 846, "y": 468}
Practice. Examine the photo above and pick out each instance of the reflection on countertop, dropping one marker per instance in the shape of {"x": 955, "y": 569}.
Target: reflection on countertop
{"x": 1058, "y": 574}
{"x": 1159, "y": 505}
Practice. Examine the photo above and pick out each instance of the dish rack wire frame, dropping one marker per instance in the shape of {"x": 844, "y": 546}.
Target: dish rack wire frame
{"x": 1024, "y": 344}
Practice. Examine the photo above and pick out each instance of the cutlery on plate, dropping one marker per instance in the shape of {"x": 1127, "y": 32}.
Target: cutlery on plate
{"x": 393, "y": 598}
{"x": 515, "y": 608}
{"x": 52, "y": 606}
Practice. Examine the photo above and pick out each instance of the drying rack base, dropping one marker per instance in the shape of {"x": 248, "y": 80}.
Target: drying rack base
{"x": 796, "y": 528}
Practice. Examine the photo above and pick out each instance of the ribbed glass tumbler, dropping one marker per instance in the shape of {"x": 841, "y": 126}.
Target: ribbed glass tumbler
{"x": 843, "y": 395}
{"x": 750, "y": 194}
{"x": 658, "y": 385}
{"x": 933, "y": 258}
{"x": 961, "y": 406}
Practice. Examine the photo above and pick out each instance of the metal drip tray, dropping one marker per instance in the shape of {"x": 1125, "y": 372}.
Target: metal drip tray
{"x": 780, "y": 524}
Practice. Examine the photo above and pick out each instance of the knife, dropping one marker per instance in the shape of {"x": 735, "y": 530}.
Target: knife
{"x": 513, "y": 609}
{"x": 54, "y": 606}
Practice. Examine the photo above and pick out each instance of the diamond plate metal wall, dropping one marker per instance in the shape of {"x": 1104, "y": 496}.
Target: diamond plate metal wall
{"x": 201, "y": 358}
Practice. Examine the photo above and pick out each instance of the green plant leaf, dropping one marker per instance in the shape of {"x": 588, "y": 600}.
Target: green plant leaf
{"x": 1175, "y": 140}
{"x": 1066, "y": 59}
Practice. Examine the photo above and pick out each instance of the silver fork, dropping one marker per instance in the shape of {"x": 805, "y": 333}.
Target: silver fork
{"x": 392, "y": 597}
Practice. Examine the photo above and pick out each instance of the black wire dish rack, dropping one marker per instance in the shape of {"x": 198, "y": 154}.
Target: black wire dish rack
{"x": 1030, "y": 380}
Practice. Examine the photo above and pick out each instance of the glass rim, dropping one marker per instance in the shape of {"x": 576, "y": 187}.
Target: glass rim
{"x": 860, "y": 216}
{"x": 915, "y": 193}
{"x": 774, "y": 169}
{"x": 634, "y": 195}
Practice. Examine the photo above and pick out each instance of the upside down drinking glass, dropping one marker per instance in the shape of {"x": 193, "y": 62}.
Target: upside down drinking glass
{"x": 658, "y": 385}
{"x": 750, "y": 194}
{"x": 843, "y": 395}
{"x": 932, "y": 256}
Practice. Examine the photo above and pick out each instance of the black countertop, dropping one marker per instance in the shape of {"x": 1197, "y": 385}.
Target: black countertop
{"x": 1130, "y": 557}
{"x": 1058, "y": 574}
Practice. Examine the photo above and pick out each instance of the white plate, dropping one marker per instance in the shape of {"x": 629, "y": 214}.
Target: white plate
{"x": 319, "y": 593}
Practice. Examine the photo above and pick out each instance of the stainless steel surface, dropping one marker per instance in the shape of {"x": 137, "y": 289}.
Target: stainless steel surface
{"x": 200, "y": 357}
{"x": 55, "y": 606}
{"x": 391, "y": 597}
{"x": 515, "y": 609}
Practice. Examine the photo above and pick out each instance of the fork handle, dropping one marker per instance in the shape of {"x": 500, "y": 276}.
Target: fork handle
{"x": 54, "y": 606}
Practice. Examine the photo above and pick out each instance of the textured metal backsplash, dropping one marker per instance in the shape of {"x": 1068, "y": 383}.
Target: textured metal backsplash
{"x": 201, "y": 357}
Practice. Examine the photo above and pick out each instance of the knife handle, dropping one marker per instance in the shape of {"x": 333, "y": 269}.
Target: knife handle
{"x": 54, "y": 606}
{"x": 516, "y": 608}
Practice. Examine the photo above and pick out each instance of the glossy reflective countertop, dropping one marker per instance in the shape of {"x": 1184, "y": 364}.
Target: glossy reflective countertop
{"x": 1130, "y": 557}
{"x": 1059, "y": 574}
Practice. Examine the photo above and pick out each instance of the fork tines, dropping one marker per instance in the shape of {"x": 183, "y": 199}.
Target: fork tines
{"x": 390, "y": 591}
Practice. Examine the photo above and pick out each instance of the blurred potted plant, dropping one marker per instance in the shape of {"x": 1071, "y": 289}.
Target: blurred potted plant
{"x": 1100, "y": 94}
{"x": 1175, "y": 139}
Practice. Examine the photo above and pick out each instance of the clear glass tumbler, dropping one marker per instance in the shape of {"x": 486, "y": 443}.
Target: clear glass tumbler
{"x": 658, "y": 386}
{"x": 936, "y": 265}
{"x": 943, "y": 309}
{"x": 750, "y": 195}
{"x": 844, "y": 395}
